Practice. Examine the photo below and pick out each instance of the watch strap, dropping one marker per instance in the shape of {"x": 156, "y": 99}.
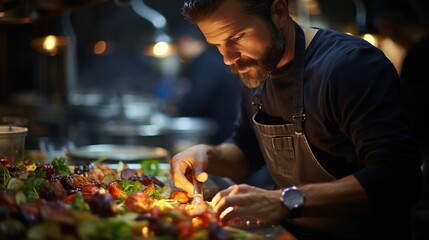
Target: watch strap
{"x": 295, "y": 212}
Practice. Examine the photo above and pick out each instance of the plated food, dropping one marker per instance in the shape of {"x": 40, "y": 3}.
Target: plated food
{"x": 93, "y": 200}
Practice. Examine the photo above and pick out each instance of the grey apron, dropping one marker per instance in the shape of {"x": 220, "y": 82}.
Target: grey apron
{"x": 287, "y": 153}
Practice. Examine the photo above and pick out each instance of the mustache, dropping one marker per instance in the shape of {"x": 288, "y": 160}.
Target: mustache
{"x": 239, "y": 65}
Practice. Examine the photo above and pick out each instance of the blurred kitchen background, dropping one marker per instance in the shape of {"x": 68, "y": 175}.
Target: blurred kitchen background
{"x": 82, "y": 72}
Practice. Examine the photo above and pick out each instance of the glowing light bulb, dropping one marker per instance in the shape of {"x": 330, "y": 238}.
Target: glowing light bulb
{"x": 50, "y": 43}
{"x": 161, "y": 49}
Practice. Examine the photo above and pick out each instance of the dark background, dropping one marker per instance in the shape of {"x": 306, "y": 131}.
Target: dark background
{"x": 35, "y": 88}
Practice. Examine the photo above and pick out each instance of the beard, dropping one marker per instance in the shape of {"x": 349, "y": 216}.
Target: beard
{"x": 259, "y": 70}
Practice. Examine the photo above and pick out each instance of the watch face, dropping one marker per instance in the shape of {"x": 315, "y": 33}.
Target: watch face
{"x": 293, "y": 198}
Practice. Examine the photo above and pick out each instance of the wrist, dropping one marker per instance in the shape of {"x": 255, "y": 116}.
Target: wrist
{"x": 293, "y": 199}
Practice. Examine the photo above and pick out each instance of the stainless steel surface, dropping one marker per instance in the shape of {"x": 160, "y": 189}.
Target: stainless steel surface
{"x": 162, "y": 166}
{"x": 111, "y": 153}
{"x": 173, "y": 134}
{"x": 12, "y": 142}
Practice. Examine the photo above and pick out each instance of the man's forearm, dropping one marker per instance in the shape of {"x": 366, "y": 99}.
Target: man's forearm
{"x": 341, "y": 197}
{"x": 227, "y": 160}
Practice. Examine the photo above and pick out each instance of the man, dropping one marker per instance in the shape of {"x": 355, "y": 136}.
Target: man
{"x": 321, "y": 112}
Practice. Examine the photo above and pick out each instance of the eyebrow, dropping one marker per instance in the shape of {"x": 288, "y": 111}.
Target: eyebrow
{"x": 236, "y": 35}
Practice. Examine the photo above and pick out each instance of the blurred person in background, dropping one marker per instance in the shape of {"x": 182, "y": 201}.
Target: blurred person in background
{"x": 206, "y": 88}
{"x": 400, "y": 21}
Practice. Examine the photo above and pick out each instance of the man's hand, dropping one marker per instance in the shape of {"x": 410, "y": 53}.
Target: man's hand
{"x": 248, "y": 201}
{"x": 189, "y": 163}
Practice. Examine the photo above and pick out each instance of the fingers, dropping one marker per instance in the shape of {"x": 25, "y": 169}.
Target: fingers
{"x": 179, "y": 168}
{"x": 231, "y": 202}
{"x": 187, "y": 166}
{"x": 218, "y": 199}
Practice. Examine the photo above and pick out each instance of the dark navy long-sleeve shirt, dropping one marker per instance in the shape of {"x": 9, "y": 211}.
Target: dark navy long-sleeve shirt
{"x": 354, "y": 124}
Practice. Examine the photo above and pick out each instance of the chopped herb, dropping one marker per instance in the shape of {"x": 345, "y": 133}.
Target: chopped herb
{"x": 131, "y": 186}
{"x": 34, "y": 182}
{"x": 157, "y": 194}
{"x": 150, "y": 167}
{"x": 60, "y": 166}
{"x": 4, "y": 172}
{"x": 79, "y": 203}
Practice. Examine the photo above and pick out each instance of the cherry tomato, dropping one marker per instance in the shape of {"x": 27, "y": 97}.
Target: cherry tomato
{"x": 6, "y": 162}
{"x": 181, "y": 197}
{"x": 116, "y": 191}
{"x": 137, "y": 202}
{"x": 89, "y": 191}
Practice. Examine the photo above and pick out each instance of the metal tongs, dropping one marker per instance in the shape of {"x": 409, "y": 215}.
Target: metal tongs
{"x": 198, "y": 192}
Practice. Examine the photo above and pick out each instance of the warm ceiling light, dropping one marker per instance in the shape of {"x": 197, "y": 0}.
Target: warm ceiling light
{"x": 160, "y": 49}
{"x": 100, "y": 47}
{"x": 50, "y": 44}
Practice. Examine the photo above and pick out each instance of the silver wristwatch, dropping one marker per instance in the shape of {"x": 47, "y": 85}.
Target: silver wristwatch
{"x": 293, "y": 199}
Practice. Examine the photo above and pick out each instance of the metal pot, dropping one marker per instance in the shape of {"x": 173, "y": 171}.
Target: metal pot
{"x": 12, "y": 142}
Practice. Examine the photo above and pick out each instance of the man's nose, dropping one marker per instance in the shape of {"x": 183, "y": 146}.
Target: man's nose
{"x": 230, "y": 56}
{"x": 231, "y": 59}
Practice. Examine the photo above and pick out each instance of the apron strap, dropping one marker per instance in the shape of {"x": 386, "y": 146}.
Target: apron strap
{"x": 257, "y": 98}
{"x": 298, "y": 96}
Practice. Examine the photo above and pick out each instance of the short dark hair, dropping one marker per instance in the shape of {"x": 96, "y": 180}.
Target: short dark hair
{"x": 195, "y": 10}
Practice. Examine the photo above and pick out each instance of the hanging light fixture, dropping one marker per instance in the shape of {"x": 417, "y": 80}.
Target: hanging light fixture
{"x": 162, "y": 46}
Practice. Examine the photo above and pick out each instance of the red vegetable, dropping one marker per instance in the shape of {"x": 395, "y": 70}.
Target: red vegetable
{"x": 137, "y": 202}
{"x": 181, "y": 197}
{"x": 116, "y": 191}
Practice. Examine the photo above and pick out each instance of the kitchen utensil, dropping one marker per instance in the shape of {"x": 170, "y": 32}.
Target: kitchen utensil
{"x": 12, "y": 142}
{"x": 198, "y": 192}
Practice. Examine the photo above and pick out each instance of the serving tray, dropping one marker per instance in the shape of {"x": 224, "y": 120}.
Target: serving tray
{"x": 111, "y": 153}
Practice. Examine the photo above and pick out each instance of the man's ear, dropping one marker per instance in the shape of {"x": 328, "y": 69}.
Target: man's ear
{"x": 279, "y": 12}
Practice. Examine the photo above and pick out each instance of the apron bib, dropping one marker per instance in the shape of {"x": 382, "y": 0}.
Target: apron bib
{"x": 287, "y": 153}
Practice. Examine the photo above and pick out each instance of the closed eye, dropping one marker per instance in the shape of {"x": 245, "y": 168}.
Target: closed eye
{"x": 237, "y": 37}
{"x": 234, "y": 39}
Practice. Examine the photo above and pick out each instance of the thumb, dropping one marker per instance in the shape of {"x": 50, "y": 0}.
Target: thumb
{"x": 201, "y": 176}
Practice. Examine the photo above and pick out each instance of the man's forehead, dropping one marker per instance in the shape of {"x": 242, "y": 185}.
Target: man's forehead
{"x": 229, "y": 16}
